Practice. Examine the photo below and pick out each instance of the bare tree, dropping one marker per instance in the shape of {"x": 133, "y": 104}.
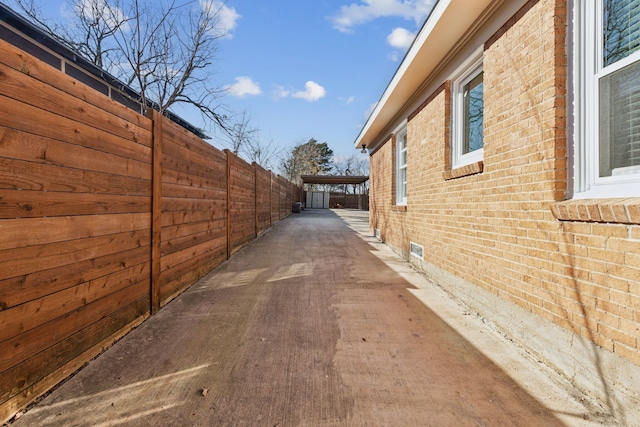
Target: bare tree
{"x": 241, "y": 133}
{"x": 94, "y": 26}
{"x": 264, "y": 153}
{"x": 355, "y": 165}
{"x": 165, "y": 51}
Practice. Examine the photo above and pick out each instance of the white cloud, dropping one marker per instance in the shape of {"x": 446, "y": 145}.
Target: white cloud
{"x": 401, "y": 38}
{"x": 243, "y": 86}
{"x": 281, "y": 92}
{"x": 227, "y": 16}
{"x": 347, "y": 101}
{"x": 313, "y": 92}
{"x": 92, "y": 9}
{"x": 369, "y": 111}
{"x": 368, "y": 10}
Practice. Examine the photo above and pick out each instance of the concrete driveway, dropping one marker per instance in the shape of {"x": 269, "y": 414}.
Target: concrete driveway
{"x": 314, "y": 324}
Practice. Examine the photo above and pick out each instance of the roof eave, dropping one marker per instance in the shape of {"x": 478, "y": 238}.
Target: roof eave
{"x": 447, "y": 23}
{"x": 334, "y": 179}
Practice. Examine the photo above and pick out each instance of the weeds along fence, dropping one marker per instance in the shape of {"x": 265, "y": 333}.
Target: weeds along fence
{"x": 105, "y": 216}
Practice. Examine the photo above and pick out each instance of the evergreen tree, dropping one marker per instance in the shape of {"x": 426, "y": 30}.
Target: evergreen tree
{"x": 310, "y": 158}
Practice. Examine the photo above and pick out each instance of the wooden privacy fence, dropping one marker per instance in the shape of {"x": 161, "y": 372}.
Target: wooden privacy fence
{"x": 105, "y": 215}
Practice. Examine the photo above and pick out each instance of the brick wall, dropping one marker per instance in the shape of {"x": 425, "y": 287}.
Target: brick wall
{"x": 502, "y": 225}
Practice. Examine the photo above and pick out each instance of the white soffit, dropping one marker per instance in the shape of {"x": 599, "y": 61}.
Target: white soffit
{"x": 448, "y": 22}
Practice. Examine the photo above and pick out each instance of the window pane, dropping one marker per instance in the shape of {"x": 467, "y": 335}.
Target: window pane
{"x": 621, "y": 29}
{"x": 473, "y": 114}
{"x": 620, "y": 121}
{"x": 403, "y": 142}
{"x": 401, "y": 169}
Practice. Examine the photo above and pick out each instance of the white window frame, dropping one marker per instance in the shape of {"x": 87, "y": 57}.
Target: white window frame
{"x": 587, "y": 71}
{"x": 401, "y": 169}
{"x": 463, "y": 75}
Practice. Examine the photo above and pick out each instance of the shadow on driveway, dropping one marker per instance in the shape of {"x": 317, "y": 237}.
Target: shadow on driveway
{"x": 306, "y": 326}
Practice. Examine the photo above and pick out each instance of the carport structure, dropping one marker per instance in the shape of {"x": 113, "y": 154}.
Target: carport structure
{"x": 339, "y": 180}
{"x": 335, "y": 179}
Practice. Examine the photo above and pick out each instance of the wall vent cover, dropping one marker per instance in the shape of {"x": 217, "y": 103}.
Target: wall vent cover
{"x": 417, "y": 250}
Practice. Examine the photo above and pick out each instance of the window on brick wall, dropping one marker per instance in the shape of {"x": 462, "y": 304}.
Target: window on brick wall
{"x": 468, "y": 112}
{"x": 607, "y": 98}
{"x": 401, "y": 167}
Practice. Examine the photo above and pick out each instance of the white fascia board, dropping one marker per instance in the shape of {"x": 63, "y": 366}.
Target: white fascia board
{"x": 448, "y": 22}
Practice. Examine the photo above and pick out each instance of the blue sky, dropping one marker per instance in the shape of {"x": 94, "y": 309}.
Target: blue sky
{"x": 307, "y": 69}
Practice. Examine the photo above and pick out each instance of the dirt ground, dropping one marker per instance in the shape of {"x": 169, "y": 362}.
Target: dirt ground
{"x": 314, "y": 324}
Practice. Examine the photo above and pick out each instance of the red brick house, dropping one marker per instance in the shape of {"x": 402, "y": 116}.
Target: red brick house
{"x": 505, "y": 165}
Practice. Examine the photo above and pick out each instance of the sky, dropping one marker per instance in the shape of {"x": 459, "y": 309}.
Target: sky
{"x": 304, "y": 69}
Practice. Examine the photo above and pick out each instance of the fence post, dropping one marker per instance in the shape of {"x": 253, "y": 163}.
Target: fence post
{"x": 228, "y": 154}
{"x": 255, "y": 198}
{"x": 156, "y": 211}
